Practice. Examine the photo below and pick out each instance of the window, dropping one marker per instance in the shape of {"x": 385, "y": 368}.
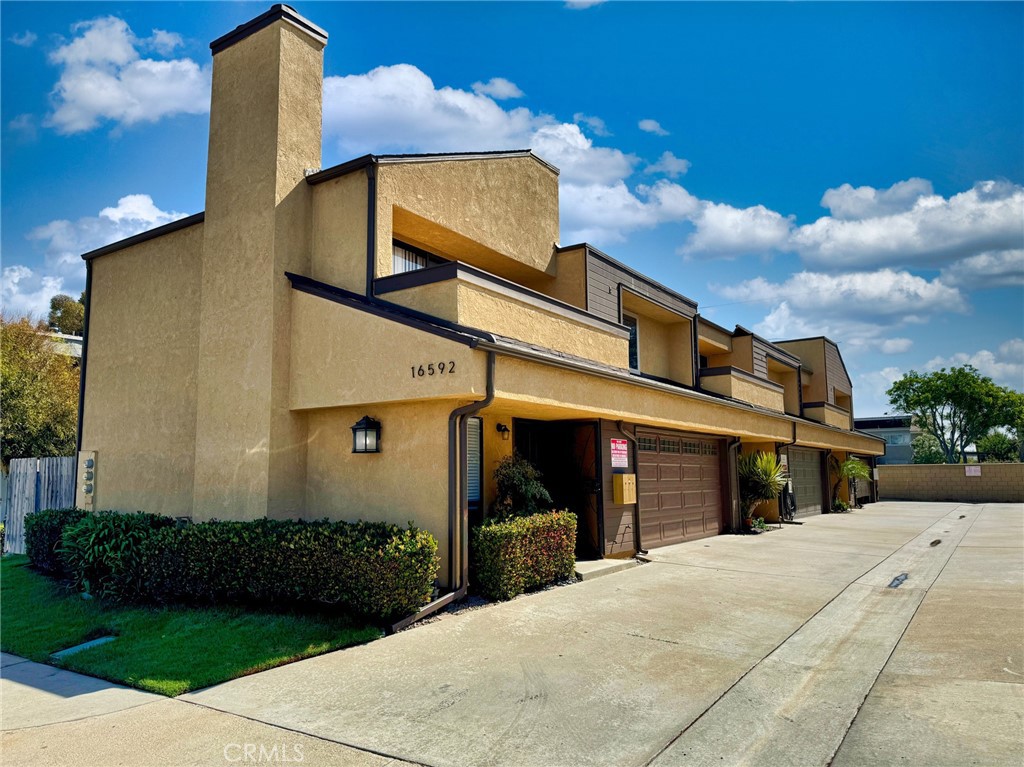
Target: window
{"x": 406, "y": 258}
{"x": 647, "y": 444}
{"x": 897, "y": 439}
{"x": 634, "y": 344}
{"x": 670, "y": 445}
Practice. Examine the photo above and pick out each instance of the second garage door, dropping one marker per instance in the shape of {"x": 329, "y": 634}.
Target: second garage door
{"x": 805, "y": 469}
{"x": 679, "y": 487}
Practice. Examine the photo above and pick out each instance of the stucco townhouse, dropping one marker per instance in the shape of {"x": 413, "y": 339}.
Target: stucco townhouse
{"x": 370, "y": 340}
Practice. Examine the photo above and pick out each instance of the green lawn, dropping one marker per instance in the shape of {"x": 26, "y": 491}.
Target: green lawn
{"x": 168, "y": 651}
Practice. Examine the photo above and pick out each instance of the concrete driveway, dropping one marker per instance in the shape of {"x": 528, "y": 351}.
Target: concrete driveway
{"x": 785, "y": 648}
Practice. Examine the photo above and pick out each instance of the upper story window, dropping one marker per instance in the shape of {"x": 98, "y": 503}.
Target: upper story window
{"x": 634, "y": 341}
{"x": 901, "y": 438}
{"x": 406, "y": 258}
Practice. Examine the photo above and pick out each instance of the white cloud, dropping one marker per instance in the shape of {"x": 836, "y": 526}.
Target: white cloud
{"x": 723, "y": 231}
{"x": 596, "y": 124}
{"x": 603, "y": 213}
{"x": 26, "y": 293}
{"x": 498, "y": 88}
{"x": 859, "y": 310}
{"x": 164, "y": 42}
{"x": 580, "y": 5}
{"x": 64, "y": 241}
{"x": 652, "y": 126}
{"x": 987, "y": 270}
{"x": 103, "y": 77}
{"x": 24, "y": 125}
{"x": 1005, "y": 366}
{"x": 575, "y": 155}
{"x": 670, "y": 165}
{"x": 26, "y": 39}
{"x": 848, "y": 203}
{"x": 870, "y": 388}
{"x": 931, "y": 232}
{"x": 895, "y": 345}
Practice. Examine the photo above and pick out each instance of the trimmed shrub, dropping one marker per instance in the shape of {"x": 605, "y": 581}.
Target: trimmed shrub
{"x": 520, "y": 554}
{"x": 371, "y": 568}
{"x": 43, "y": 531}
{"x": 101, "y": 551}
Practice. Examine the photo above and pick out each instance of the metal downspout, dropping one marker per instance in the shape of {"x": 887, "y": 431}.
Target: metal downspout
{"x": 458, "y": 509}
{"x": 82, "y": 367}
{"x": 636, "y": 506}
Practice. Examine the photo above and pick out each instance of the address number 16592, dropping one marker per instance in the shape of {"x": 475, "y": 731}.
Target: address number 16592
{"x": 433, "y": 368}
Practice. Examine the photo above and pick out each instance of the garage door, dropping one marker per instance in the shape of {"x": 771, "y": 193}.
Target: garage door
{"x": 679, "y": 487}
{"x": 805, "y": 468}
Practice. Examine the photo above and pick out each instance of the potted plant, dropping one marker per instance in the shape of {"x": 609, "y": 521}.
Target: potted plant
{"x": 761, "y": 478}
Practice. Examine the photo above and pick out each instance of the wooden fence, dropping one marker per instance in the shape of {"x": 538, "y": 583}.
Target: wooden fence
{"x": 30, "y": 485}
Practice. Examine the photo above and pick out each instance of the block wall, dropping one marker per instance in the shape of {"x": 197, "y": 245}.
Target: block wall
{"x": 998, "y": 483}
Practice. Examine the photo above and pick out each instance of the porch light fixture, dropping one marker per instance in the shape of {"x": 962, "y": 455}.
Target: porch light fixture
{"x": 366, "y": 436}
{"x": 504, "y": 431}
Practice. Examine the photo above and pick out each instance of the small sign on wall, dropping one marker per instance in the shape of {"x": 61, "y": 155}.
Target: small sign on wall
{"x": 972, "y": 471}
{"x": 620, "y": 454}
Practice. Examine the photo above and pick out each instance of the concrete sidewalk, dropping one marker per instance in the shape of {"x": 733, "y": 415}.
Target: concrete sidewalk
{"x": 784, "y": 648}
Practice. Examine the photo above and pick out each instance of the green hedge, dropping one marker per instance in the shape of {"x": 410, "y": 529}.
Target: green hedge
{"x": 43, "y": 531}
{"x": 370, "y": 568}
{"x": 101, "y": 551}
{"x": 511, "y": 557}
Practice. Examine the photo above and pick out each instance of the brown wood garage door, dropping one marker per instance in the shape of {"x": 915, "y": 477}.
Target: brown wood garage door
{"x": 679, "y": 487}
{"x": 805, "y": 469}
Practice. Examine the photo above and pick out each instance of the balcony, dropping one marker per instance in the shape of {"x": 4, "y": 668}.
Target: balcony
{"x": 469, "y": 296}
{"x": 743, "y": 386}
{"x": 830, "y": 415}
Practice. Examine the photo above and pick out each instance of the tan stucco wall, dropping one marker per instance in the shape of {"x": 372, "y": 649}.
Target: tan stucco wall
{"x": 407, "y": 480}
{"x": 540, "y": 391}
{"x": 339, "y": 232}
{"x": 809, "y": 435}
{"x": 343, "y": 356}
{"x": 570, "y": 281}
{"x": 653, "y": 343}
{"x": 998, "y": 483}
{"x": 264, "y": 133}
{"x": 476, "y": 307}
{"x": 140, "y": 393}
{"x": 812, "y": 355}
{"x": 742, "y": 356}
{"x": 828, "y": 416}
{"x": 495, "y": 449}
{"x": 680, "y": 344}
{"x": 506, "y": 206}
{"x": 715, "y": 341}
{"x": 745, "y": 390}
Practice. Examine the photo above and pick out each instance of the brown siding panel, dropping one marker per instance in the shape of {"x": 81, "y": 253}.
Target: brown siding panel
{"x": 618, "y": 518}
{"x": 837, "y": 376}
{"x": 603, "y": 289}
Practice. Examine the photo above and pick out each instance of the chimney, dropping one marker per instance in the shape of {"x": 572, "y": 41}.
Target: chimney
{"x": 265, "y": 131}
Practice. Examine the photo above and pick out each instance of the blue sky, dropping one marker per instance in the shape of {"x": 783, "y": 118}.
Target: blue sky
{"x": 853, "y": 170}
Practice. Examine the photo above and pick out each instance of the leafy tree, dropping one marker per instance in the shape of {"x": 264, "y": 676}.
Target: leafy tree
{"x": 39, "y": 394}
{"x": 927, "y": 449}
{"x": 998, "y": 447}
{"x": 67, "y": 315}
{"x": 956, "y": 406}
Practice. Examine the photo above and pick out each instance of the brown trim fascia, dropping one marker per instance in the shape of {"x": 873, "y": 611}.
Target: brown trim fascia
{"x": 160, "y": 231}
{"x": 278, "y": 12}
{"x": 471, "y": 274}
{"x": 728, "y": 370}
{"x": 389, "y": 311}
{"x": 83, "y": 363}
{"x": 341, "y": 170}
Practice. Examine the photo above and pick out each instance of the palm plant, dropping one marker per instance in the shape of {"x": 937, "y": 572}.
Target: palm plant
{"x": 851, "y": 468}
{"x": 761, "y": 478}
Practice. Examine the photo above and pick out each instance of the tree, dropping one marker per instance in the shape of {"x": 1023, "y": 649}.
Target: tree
{"x": 39, "y": 394}
{"x": 520, "y": 492}
{"x": 67, "y": 315}
{"x": 927, "y": 449}
{"x": 998, "y": 447}
{"x": 956, "y": 406}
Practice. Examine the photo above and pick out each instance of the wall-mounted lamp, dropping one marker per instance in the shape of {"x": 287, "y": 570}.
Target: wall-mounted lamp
{"x": 504, "y": 431}
{"x": 366, "y": 436}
